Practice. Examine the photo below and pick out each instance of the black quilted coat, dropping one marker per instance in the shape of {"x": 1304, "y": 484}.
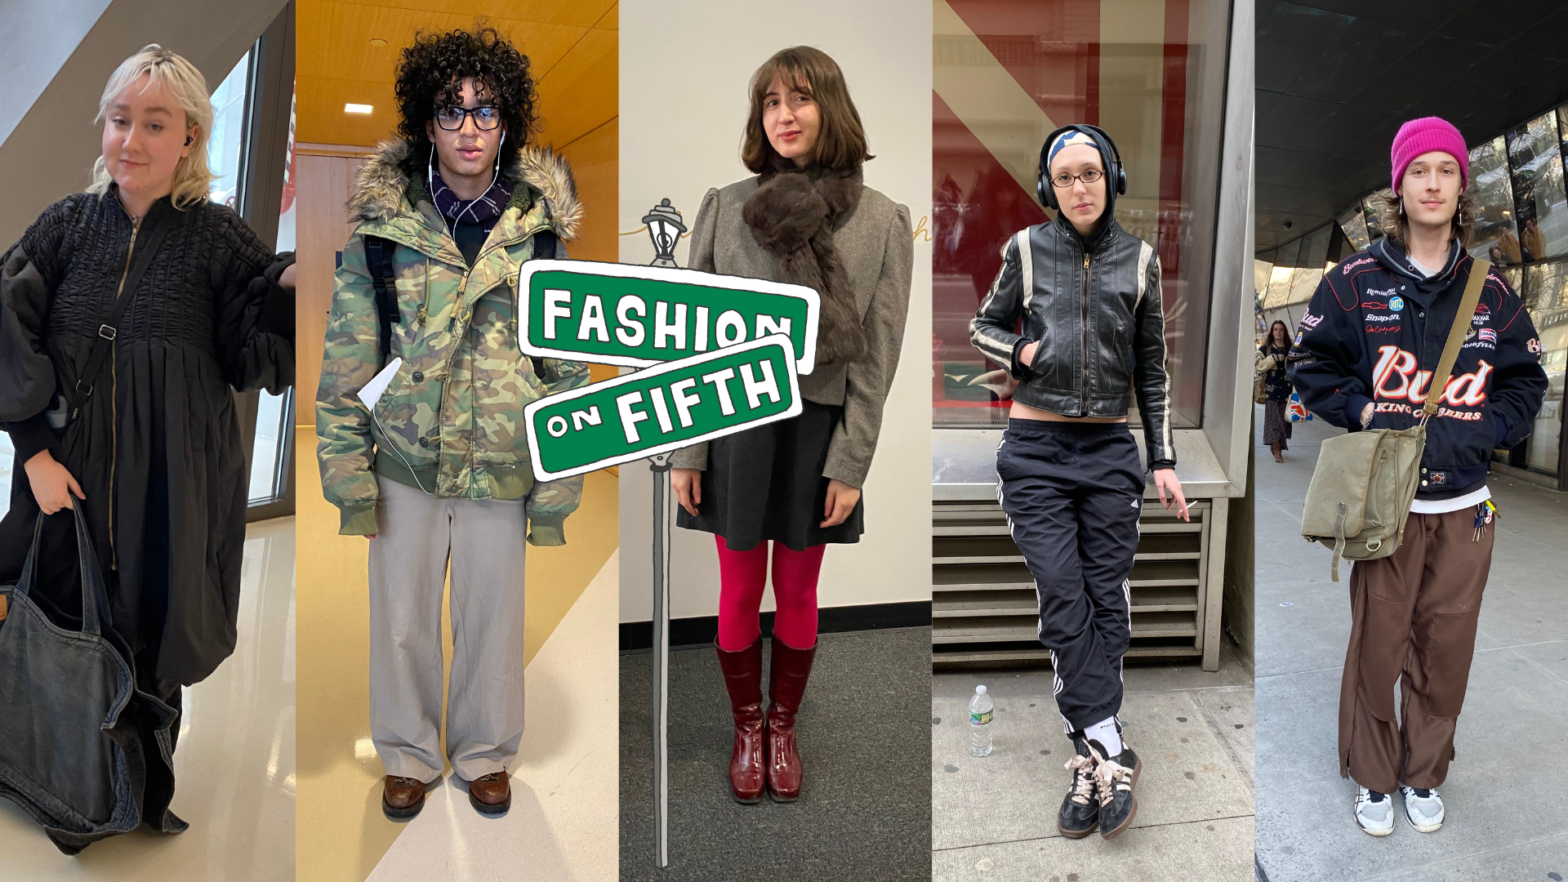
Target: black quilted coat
{"x": 157, "y": 446}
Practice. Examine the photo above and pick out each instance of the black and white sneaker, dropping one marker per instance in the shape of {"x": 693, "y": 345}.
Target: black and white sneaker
{"x": 1115, "y": 778}
{"x": 1080, "y": 813}
{"x": 1374, "y": 812}
{"x": 1423, "y": 808}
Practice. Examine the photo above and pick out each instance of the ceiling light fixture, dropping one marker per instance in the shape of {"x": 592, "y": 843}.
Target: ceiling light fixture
{"x": 357, "y": 108}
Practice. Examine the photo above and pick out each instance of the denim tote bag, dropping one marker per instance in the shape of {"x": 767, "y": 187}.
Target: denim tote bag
{"x": 71, "y": 747}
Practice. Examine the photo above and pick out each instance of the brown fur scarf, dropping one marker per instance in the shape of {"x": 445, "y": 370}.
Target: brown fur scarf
{"x": 793, "y": 218}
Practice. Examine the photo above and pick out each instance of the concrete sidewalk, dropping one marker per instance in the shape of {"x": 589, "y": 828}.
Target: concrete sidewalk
{"x": 994, "y": 817}
{"x": 1505, "y": 815}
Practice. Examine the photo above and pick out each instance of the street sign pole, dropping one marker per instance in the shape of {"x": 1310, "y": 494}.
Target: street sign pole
{"x": 659, "y": 464}
{"x": 719, "y": 355}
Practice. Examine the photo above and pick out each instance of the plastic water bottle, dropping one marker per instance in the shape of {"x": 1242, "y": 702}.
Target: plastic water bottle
{"x": 980, "y": 723}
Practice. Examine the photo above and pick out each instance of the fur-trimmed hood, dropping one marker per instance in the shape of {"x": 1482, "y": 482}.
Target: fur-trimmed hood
{"x": 382, "y": 191}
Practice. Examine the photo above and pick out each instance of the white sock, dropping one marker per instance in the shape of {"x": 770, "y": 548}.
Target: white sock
{"x": 1105, "y": 733}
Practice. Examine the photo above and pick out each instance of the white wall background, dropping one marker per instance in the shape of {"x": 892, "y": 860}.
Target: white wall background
{"x": 684, "y": 70}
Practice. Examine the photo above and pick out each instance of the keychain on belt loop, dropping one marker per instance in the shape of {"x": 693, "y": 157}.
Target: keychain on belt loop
{"x": 1485, "y": 512}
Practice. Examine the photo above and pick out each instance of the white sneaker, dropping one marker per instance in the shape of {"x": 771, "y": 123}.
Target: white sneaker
{"x": 1374, "y": 812}
{"x": 1423, "y": 808}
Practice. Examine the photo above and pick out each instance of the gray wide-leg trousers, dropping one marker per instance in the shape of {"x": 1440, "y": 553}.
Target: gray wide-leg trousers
{"x": 484, "y": 539}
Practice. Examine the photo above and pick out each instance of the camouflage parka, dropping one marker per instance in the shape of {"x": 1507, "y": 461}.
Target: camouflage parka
{"x": 451, "y": 420}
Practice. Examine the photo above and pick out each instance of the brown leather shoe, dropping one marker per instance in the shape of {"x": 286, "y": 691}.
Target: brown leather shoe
{"x": 491, "y": 794}
{"x": 402, "y": 797}
{"x": 743, "y": 680}
{"x": 787, "y": 674}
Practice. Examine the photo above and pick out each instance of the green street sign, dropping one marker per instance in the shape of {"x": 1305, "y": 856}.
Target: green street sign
{"x": 613, "y": 313}
{"x": 663, "y": 408}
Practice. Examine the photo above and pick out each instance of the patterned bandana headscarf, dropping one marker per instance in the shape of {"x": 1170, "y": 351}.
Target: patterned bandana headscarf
{"x": 485, "y": 210}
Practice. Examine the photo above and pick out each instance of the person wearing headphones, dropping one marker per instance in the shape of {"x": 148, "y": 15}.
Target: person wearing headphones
{"x": 437, "y": 469}
{"x": 1070, "y": 482}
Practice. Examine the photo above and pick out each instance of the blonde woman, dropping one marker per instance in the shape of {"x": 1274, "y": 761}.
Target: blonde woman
{"x": 795, "y": 485}
{"x": 143, "y": 436}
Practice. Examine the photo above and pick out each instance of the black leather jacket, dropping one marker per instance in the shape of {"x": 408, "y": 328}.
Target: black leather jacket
{"x": 1099, "y": 321}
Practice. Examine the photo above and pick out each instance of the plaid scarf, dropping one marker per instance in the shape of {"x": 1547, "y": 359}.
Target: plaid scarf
{"x": 484, "y": 210}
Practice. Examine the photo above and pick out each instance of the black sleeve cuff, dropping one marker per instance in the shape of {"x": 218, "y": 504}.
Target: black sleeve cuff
{"x": 31, "y": 437}
{"x": 1354, "y": 405}
{"x": 1162, "y": 464}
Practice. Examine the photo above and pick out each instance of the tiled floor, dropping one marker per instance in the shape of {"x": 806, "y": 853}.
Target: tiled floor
{"x": 234, "y": 767}
{"x": 343, "y": 834}
{"x": 562, "y": 824}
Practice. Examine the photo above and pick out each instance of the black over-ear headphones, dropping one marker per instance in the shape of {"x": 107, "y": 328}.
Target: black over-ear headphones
{"x": 1116, "y": 172}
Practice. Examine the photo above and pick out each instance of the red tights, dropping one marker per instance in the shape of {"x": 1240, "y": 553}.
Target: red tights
{"x": 742, "y": 577}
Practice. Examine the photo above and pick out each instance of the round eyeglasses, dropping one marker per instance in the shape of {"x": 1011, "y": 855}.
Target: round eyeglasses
{"x": 1065, "y": 180}
{"x": 486, "y": 117}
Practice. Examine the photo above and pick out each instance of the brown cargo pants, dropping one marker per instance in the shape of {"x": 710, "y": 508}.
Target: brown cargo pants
{"x": 1413, "y": 614}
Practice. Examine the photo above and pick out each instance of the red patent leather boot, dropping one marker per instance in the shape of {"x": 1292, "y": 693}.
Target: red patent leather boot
{"x": 743, "y": 680}
{"x": 788, "y": 671}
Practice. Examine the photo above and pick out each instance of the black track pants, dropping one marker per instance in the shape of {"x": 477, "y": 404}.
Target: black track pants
{"x": 1072, "y": 493}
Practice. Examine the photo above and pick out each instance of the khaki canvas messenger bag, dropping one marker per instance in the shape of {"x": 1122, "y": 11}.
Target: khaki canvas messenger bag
{"x": 1365, "y": 481}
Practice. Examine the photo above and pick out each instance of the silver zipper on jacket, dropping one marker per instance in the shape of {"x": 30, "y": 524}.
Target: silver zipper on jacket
{"x": 114, "y": 390}
{"x": 1083, "y": 405}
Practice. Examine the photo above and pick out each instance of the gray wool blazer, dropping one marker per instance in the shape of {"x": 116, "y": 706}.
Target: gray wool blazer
{"x": 876, "y": 245}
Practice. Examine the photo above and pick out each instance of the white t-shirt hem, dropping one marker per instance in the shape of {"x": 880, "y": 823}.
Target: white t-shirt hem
{"x": 1443, "y": 506}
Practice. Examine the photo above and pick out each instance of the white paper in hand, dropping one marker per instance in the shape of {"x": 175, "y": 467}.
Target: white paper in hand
{"x": 378, "y": 384}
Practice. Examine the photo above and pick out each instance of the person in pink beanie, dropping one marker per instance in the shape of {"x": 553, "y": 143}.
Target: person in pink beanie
{"x": 1365, "y": 353}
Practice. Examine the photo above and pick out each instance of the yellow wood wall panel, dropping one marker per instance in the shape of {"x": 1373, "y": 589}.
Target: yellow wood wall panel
{"x": 582, "y": 92}
{"x": 594, "y": 159}
{"x": 321, "y": 200}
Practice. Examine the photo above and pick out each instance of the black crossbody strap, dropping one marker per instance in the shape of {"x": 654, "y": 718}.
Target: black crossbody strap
{"x": 103, "y": 343}
{"x": 383, "y": 277}
{"x": 543, "y": 249}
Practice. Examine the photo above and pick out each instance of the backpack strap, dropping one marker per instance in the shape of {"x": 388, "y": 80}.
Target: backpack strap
{"x": 77, "y": 394}
{"x": 543, "y": 249}
{"x": 1456, "y": 337}
{"x": 383, "y": 277}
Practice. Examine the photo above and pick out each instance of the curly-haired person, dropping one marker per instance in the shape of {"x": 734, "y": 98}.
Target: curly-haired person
{"x": 437, "y": 467}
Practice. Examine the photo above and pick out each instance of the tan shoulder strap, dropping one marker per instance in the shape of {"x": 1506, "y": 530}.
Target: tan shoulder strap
{"x": 1456, "y": 335}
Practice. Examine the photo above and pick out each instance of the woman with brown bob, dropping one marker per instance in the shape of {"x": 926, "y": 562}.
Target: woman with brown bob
{"x": 805, "y": 218}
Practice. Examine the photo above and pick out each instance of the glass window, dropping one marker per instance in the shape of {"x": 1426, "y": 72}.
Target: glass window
{"x": 1369, "y": 212}
{"x": 1310, "y": 264}
{"x": 1262, "y": 270}
{"x": 226, "y": 145}
{"x": 1540, "y": 207}
{"x": 1284, "y": 271}
{"x": 1008, "y": 72}
{"x": 1546, "y": 297}
{"x": 1354, "y": 225}
{"x": 7, "y": 460}
{"x": 275, "y": 413}
{"x": 1496, "y": 235}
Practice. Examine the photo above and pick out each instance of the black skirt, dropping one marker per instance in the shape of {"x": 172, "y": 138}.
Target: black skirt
{"x": 767, "y": 484}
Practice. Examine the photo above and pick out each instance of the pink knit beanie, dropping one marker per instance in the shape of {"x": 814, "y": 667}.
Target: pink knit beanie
{"x": 1423, "y": 136}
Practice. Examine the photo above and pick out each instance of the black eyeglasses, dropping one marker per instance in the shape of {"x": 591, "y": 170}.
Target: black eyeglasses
{"x": 1065, "y": 180}
{"x": 486, "y": 117}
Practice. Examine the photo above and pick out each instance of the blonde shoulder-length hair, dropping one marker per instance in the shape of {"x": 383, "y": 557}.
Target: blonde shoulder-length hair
{"x": 186, "y": 85}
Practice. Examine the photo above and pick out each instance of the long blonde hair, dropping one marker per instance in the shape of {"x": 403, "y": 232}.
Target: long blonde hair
{"x": 192, "y": 177}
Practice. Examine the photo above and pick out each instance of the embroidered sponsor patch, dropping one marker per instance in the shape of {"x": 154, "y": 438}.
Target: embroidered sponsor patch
{"x": 1310, "y": 321}
{"x": 1355, "y": 263}
{"x": 1534, "y": 345}
{"x": 1383, "y": 318}
{"x": 1382, "y": 329}
{"x": 1373, "y": 292}
{"x": 1298, "y": 339}
{"x": 1396, "y": 303}
{"x": 1487, "y": 334}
